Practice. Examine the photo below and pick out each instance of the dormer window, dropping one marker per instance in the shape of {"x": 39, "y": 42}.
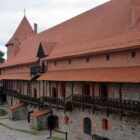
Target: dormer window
{"x": 40, "y": 53}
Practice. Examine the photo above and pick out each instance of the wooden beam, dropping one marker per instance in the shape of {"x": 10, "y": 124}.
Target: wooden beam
{"x": 43, "y": 88}
{"x": 83, "y": 106}
{"x": 72, "y": 94}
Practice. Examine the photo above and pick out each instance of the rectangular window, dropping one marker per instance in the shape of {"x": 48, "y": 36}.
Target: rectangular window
{"x": 107, "y": 57}
{"x": 133, "y": 54}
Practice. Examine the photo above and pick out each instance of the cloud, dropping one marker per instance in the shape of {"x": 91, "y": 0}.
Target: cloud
{"x": 46, "y": 13}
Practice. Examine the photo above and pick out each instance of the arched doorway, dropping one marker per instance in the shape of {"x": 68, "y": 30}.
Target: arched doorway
{"x": 87, "y": 126}
{"x": 56, "y": 122}
{"x": 29, "y": 116}
{"x": 53, "y": 122}
{"x": 54, "y": 92}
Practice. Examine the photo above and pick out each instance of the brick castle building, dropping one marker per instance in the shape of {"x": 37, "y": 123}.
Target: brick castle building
{"x": 81, "y": 76}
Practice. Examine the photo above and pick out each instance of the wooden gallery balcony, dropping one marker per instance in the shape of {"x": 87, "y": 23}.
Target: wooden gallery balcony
{"x": 95, "y": 103}
{"x": 104, "y": 103}
{"x": 23, "y": 98}
{"x": 37, "y": 70}
{"x": 53, "y": 102}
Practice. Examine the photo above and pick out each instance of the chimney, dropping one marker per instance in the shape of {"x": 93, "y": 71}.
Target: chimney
{"x": 135, "y": 12}
{"x": 35, "y": 28}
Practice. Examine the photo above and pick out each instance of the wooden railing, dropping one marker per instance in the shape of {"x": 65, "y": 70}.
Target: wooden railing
{"x": 37, "y": 70}
{"x": 24, "y": 98}
{"x": 108, "y": 103}
{"x": 56, "y": 102}
{"x": 83, "y": 101}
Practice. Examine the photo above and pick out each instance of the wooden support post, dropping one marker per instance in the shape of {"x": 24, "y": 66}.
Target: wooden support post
{"x": 50, "y": 91}
{"x": 72, "y": 95}
{"x": 30, "y": 89}
{"x": 120, "y": 97}
{"x": 28, "y": 85}
{"x": 23, "y": 83}
{"x": 50, "y": 88}
{"x": 57, "y": 94}
{"x": 43, "y": 88}
{"x": 39, "y": 89}
{"x": 93, "y": 98}
{"x": 46, "y": 88}
{"x": 83, "y": 97}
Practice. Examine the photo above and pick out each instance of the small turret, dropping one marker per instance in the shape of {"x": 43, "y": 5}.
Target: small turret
{"x": 135, "y": 12}
{"x": 23, "y": 32}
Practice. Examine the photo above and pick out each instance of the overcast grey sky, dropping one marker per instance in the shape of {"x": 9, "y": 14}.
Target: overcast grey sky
{"x": 46, "y": 13}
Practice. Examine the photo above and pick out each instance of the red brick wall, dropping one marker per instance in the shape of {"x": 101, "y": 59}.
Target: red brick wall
{"x": 118, "y": 59}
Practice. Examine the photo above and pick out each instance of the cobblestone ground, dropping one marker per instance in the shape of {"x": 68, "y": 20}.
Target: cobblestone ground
{"x": 9, "y": 134}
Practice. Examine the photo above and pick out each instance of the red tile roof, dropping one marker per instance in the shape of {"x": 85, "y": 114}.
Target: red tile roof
{"x": 48, "y": 47}
{"x": 17, "y": 105}
{"x": 40, "y": 113}
{"x": 123, "y": 74}
{"x": 105, "y": 28}
{"x": 16, "y": 76}
{"x": 28, "y": 55}
{"x": 18, "y": 61}
{"x": 23, "y": 32}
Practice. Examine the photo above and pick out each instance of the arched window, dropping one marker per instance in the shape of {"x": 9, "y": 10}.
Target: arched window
{"x": 86, "y": 89}
{"x": 66, "y": 120}
{"x": 20, "y": 87}
{"x": 35, "y": 93}
{"x": 105, "y": 124}
{"x": 54, "y": 92}
{"x": 87, "y": 126}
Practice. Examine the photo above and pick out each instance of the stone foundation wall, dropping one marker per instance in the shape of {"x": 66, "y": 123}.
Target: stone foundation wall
{"x": 129, "y": 91}
{"x": 18, "y": 113}
{"x": 39, "y": 123}
{"x": 126, "y": 128}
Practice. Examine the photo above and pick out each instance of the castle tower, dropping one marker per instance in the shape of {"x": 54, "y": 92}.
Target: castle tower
{"x": 135, "y": 14}
{"x": 23, "y": 32}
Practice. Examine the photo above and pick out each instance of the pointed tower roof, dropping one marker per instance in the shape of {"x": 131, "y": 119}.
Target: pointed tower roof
{"x": 23, "y": 32}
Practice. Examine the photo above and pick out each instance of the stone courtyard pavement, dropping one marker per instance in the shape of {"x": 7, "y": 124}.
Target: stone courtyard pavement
{"x": 11, "y": 134}
{"x": 8, "y": 134}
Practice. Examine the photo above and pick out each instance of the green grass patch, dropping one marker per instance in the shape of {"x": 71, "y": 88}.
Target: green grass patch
{"x": 57, "y": 138}
{"x": 2, "y": 112}
{"x": 21, "y": 130}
